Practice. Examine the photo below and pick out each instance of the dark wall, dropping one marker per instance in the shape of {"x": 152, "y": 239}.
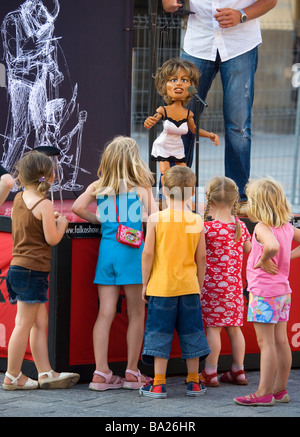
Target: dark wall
{"x": 94, "y": 53}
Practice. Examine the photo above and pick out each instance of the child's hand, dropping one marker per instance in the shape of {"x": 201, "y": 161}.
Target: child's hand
{"x": 61, "y": 218}
{"x": 215, "y": 138}
{"x": 151, "y": 121}
{"x": 267, "y": 266}
{"x": 144, "y": 297}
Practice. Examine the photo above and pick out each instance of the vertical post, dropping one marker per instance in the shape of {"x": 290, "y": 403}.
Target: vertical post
{"x": 196, "y": 145}
{"x": 297, "y": 119}
{"x": 153, "y": 6}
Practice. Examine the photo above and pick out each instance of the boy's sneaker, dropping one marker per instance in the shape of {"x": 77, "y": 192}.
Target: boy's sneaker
{"x": 154, "y": 391}
{"x": 195, "y": 389}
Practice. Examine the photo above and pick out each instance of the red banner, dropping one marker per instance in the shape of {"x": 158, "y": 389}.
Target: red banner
{"x": 7, "y": 311}
{"x": 84, "y": 309}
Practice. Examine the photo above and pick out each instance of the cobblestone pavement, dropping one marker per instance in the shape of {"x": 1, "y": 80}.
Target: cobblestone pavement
{"x": 117, "y": 406}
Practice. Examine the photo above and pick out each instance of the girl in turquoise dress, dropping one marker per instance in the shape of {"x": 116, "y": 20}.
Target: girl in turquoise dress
{"x": 124, "y": 178}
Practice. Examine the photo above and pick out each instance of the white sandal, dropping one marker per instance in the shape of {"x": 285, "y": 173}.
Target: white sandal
{"x": 30, "y": 384}
{"x": 64, "y": 380}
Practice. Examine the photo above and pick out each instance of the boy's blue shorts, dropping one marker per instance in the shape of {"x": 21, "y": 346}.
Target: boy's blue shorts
{"x": 180, "y": 313}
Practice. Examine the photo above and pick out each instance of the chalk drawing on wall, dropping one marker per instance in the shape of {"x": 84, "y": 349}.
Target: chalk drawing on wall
{"x": 37, "y": 114}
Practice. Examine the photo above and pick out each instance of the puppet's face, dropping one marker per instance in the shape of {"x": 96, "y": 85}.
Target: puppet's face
{"x": 177, "y": 85}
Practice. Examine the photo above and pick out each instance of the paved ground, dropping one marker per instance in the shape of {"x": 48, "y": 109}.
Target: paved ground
{"x": 121, "y": 407}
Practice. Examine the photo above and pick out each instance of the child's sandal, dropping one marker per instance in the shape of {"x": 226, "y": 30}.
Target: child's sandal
{"x": 30, "y": 384}
{"x": 206, "y": 379}
{"x": 231, "y": 377}
{"x": 108, "y": 384}
{"x": 134, "y": 385}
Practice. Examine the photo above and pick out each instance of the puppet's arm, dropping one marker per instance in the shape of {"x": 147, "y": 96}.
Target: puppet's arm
{"x": 202, "y": 133}
{"x": 153, "y": 119}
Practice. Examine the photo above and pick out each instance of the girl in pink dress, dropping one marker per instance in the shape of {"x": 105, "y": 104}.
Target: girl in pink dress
{"x": 227, "y": 238}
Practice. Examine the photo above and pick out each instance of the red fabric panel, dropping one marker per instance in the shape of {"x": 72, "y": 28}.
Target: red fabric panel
{"x": 84, "y": 307}
{"x": 7, "y": 311}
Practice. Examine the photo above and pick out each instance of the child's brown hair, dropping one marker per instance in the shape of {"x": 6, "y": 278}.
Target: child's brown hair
{"x": 180, "y": 182}
{"x": 35, "y": 168}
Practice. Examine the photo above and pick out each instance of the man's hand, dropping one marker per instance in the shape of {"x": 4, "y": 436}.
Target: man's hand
{"x": 228, "y": 17}
{"x": 171, "y": 5}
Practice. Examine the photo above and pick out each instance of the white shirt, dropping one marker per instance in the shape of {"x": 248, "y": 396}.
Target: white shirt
{"x": 204, "y": 37}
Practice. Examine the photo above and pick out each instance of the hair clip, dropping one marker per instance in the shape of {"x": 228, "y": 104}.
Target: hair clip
{"x": 42, "y": 179}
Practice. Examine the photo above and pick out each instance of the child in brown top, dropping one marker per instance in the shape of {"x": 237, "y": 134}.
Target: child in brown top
{"x": 35, "y": 228}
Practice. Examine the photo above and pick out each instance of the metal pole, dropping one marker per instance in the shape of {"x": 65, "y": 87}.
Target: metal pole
{"x": 197, "y": 154}
{"x": 153, "y": 6}
{"x": 297, "y": 120}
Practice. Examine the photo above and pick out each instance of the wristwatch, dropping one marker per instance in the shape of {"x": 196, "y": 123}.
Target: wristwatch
{"x": 244, "y": 17}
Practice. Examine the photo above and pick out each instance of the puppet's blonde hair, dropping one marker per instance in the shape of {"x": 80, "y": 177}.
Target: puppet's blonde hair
{"x": 267, "y": 202}
{"x": 121, "y": 165}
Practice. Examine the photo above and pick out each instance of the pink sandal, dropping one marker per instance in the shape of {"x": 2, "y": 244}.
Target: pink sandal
{"x": 107, "y": 385}
{"x": 137, "y": 384}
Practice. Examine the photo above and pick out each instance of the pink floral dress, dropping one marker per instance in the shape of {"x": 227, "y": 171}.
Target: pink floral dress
{"x": 222, "y": 294}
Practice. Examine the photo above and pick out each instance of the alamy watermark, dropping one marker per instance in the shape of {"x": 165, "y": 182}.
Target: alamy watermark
{"x": 2, "y": 76}
{"x": 131, "y": 203}
{"x": 296, "y": 75}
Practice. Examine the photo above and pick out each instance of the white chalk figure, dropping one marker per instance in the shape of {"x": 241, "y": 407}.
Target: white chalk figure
{"x": 37, "y": 114}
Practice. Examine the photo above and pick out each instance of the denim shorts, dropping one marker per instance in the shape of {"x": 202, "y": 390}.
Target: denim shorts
{"x": 26, "y": 285}
{"x": 269, "y": 309}
{"x": 180, "y": 313}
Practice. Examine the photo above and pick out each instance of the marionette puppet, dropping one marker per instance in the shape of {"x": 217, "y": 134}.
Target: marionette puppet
{"x": 172, "y": 81}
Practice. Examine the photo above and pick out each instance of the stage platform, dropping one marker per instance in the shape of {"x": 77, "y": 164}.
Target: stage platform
{"x": 73, "y": 305}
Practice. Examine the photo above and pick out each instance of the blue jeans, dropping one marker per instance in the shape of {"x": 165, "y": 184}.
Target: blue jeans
{"x": 237, "y": 76}
{"x": 180, "y": 313}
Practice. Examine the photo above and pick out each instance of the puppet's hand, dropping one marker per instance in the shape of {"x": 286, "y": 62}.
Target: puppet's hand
{"x": 151, "y": 121}
{"x": 215, "y": 138}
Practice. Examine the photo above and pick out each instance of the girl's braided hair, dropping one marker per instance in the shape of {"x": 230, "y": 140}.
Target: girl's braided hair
{"x": 224, "y": 190}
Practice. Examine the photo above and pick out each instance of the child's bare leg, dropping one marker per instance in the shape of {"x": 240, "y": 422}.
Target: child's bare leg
{"x": 135, "y": 331}
{"x": 26, "y": 315}
{"x": 237, "y": 342}
{"x": 284, "y": 357}
{"x": 268, "y": 362}
{"x": 213, "y": 335}
{"x": 192, "y": 368}
{"x": 108, "y": 297}
{"x": 39, "y": 340}
{"x": 160, "y": 370}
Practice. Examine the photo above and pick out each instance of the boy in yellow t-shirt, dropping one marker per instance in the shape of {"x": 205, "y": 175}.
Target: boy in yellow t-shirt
{"x": 173, "y": 267}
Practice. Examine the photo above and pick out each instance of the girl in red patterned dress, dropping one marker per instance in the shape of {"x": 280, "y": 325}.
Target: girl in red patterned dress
{"x": 227, "y": 238}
